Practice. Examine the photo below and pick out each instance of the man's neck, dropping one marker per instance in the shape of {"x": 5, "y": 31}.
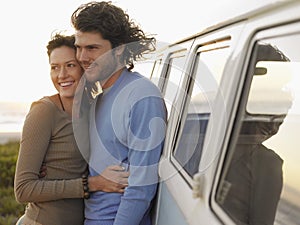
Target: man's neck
{"x": 112, "y": 79}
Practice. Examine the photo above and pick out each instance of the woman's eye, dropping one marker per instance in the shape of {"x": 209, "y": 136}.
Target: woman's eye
{"x": 54, "y": 67}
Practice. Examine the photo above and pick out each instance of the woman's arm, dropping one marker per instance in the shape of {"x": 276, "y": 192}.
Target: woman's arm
{"x": 112, "y": 179}
{"x": 36, "y": 136}
{"x": 29, "y": 183}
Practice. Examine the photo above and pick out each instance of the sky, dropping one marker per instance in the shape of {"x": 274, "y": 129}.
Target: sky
{"x": 26, "y": 27}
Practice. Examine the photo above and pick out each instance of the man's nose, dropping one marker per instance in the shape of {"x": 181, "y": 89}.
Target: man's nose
{"x": 82, "y": 55}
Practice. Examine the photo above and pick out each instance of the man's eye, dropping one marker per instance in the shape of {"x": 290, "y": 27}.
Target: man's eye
{"x": 71, "y": 65}
{"x": 91, "y": 47}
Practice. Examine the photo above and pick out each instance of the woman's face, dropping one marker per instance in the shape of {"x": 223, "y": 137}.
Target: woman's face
{"x": 65, "y": 71}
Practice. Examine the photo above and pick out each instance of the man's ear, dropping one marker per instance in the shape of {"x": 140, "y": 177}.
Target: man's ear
{"x": 119, "y": 50}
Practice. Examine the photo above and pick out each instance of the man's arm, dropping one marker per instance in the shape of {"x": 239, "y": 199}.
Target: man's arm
{"x": 147, "y": 127}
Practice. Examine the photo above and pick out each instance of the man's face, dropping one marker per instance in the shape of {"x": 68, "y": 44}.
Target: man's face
{"x": 95, "y": 55}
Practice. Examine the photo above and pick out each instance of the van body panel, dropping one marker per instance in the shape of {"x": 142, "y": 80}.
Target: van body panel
{"x": 208, "y": 80}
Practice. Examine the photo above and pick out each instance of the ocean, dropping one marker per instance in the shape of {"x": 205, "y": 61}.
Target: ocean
{"x": 12, "y": 116}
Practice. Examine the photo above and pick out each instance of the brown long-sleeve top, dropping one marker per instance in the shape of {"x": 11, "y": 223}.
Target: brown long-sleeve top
{"x": 48, "y": 137}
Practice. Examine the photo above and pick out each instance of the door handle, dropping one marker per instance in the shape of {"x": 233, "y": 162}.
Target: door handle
{"x": 198, "y": 185}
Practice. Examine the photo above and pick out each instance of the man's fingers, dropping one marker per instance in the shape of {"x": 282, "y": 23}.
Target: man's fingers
{"x": 42, "y": 174}
{"x": 43, "y": 171}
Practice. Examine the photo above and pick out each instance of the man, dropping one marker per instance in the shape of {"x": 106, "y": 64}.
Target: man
{"x": 128, "y": 120}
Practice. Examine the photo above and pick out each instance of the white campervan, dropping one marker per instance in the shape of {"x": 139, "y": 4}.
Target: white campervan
{"x": 231, "y": 154}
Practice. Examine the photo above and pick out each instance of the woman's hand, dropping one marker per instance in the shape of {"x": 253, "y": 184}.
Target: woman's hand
{"x": 112, "y": 179}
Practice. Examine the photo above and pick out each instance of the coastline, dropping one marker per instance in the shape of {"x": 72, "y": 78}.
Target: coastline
{"x": 6, "y": 137}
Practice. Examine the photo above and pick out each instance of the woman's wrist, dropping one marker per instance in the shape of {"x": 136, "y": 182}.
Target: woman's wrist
{"x": 85, "y": 186}
{"x": 94, "y": 183}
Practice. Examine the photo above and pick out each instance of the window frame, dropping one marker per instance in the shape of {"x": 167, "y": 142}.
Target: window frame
{"x": 232, "y": 134}
{"x": 213, "y": 45}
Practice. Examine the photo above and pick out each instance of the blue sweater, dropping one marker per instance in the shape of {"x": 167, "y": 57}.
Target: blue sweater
{"x": 127, "y": 126}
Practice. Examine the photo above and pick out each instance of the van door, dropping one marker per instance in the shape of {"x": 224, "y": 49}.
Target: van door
{"x": 258, "y": 180}
{"x": 181, "y": 196}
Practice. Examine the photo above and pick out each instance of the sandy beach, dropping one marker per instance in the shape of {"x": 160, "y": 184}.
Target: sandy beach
{"x": 9, "y": 136}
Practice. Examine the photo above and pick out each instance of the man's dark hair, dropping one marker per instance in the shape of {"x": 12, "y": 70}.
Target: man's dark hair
{"x": 115, "y": 26}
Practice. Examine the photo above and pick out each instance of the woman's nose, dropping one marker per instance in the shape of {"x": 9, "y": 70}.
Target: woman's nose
{"x": 62, "y": 72}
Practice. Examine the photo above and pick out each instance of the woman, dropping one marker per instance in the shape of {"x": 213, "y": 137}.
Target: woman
{"x": 47, "y": 138}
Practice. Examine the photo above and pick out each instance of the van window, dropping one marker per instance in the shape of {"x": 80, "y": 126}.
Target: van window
{"x": 260, "y": 182}
{"x": 173, "y": 82}
{"x": 157, "y": 68}
{"x": 206, "y": 75}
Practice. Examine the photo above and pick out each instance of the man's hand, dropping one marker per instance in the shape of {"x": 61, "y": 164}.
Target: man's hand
{"x": 43, "y": 171}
